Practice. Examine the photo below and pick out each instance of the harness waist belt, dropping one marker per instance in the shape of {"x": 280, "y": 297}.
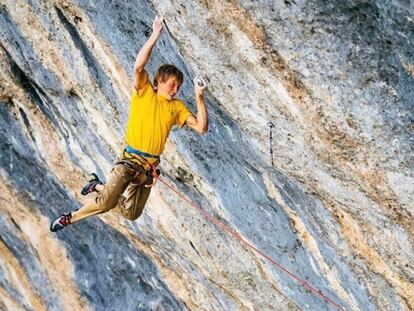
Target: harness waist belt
{"x": 140, "y": 153}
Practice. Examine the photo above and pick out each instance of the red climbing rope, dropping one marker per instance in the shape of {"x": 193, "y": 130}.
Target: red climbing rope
{"x": 245, "y": 242}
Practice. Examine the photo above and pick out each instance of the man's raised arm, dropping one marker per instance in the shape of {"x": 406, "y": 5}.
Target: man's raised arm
{"x": 140, "y": 75}
{"x": 200, "y": 121}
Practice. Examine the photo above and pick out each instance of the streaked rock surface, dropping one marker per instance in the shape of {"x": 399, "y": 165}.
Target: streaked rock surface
{"x": 335, "y": 78}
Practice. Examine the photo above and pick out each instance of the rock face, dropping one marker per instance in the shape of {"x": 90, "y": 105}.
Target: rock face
{"x": 337, "y": 81}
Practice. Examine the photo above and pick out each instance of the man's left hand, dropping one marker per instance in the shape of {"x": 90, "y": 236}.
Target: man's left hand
{"x": 199, "y": 86}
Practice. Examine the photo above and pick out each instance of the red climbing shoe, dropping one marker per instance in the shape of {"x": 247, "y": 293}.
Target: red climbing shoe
{"x": 61, "y": 222}
{"x": 92, "y": 182}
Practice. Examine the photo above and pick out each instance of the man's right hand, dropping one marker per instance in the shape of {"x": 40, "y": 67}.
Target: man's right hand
{"x": 140, "y": 75}
{"x": 157, "y": 25}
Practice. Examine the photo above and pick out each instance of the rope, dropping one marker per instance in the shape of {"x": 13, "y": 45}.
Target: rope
{"x": 236, "y": 235}
{"x": 244, "y": 242}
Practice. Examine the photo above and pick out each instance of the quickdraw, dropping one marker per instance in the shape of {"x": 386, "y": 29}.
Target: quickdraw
{"x": 271, "y": 127}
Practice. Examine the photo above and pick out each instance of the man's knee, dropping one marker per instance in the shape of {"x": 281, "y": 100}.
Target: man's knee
{"x": 105, "y": 204}
{"x": 132, "y": 216}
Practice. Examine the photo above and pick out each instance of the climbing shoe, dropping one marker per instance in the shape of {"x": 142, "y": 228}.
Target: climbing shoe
{"x": 92, "y": 182}
{"x": 61, "y": 222}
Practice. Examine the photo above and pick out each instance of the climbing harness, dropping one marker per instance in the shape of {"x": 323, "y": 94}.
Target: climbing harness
{"x": 140, "y": 153}
{"x": 132, "y": 158}
{"x": 248, "y": 245}
{"x": 271, "y": 127}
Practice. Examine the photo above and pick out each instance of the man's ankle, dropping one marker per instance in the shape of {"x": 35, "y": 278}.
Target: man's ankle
{"x": 73, "y": 216}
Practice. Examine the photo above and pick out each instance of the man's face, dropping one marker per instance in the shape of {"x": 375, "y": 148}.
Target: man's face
{"x": 169, "y": 88}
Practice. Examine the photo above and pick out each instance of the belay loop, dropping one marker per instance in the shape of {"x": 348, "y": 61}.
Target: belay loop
{"x": 155, "y": 173}
{"x": 271, "y": 127}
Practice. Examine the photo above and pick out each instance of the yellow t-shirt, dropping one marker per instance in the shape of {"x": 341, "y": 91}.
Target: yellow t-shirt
{"x": 151, "y": 118}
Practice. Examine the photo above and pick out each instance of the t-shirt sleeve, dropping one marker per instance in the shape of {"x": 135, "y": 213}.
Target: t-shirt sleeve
{"x": 182, "y": 113}
{"x": 144, "y": 91}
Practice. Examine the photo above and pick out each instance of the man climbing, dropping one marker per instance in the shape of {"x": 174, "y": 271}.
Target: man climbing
{"x": 153, "y": 111}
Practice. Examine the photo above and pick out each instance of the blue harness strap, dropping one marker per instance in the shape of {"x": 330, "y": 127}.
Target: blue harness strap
{"x": 140, "y": 153}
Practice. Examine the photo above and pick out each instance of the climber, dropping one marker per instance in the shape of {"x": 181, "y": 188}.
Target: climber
{"x": 153, "y": 111}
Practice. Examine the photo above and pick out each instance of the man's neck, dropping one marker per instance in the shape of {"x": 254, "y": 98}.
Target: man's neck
{"x": 165, "y": 95}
